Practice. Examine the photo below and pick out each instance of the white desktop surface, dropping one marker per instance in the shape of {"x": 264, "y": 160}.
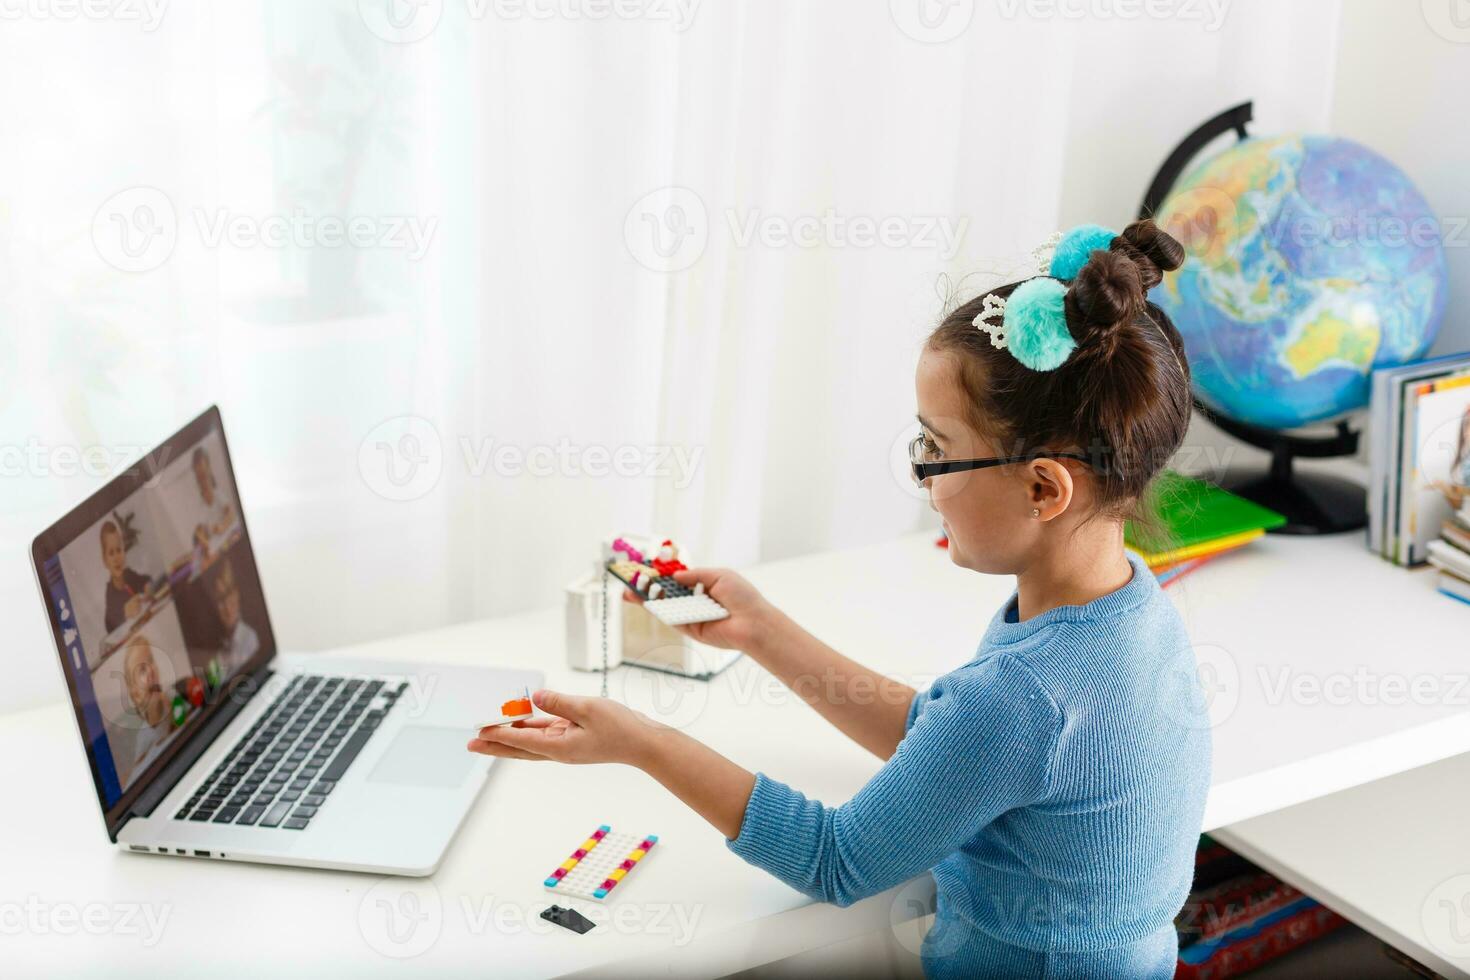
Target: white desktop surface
{"x": 1313, "y": 606}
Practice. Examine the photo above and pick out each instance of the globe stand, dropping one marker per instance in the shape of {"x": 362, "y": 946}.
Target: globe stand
{"x": 1312, "y": 503}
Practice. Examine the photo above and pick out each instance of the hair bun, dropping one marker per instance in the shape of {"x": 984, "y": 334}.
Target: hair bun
{"x": 1152, "y": 249}
{"x": 1107, "y": 294}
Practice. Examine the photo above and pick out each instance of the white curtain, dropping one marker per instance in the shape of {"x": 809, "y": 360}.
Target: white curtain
{"x": 726, "y": 248}
{"x": 658, "y": 266}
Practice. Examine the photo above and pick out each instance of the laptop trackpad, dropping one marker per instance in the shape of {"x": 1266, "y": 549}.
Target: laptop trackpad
{"x": 424, "y": 756}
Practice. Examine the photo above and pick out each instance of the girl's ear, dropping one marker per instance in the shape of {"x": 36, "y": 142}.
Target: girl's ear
{"x": 1049, "y": 487}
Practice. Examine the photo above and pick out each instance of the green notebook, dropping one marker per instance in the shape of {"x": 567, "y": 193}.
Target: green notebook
{"x": 1186, "y": 511}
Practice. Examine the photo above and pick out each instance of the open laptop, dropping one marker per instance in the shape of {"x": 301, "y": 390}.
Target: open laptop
{"x": 203, "y": 740}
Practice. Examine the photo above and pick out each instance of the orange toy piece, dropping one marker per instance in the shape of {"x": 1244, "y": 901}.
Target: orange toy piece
{"x": 514, "y": 711}
{"x": 518, "y": 706}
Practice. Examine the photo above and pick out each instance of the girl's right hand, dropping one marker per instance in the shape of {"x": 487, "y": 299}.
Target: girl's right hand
{"x": 750, "y": 614}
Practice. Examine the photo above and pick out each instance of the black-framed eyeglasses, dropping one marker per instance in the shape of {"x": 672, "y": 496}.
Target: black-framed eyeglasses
{"x": 923, "y": 469}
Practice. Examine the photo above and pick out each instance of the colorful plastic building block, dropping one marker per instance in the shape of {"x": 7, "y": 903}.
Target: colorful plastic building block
{"x": 682, "y": 610}
{"x": 569, "y": 919}
{"x": 633, "y": 553}
{"x": 514, "y": 710}
{"x": 600, "y": 864}
{"x": 671, "y": 603}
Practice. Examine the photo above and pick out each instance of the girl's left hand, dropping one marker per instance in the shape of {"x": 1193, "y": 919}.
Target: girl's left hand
{"x": 588, "y": 730}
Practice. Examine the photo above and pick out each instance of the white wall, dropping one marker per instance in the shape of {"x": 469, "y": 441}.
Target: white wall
{"x": 1401, "y": 90}
{"x": 1139, "y": 87}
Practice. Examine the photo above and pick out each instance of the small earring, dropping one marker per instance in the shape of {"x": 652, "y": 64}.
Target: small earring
{"x": 1035, "y": 511}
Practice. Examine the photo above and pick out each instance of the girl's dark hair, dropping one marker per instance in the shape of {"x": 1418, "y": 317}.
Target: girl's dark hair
{"x": 1122, "y": 397}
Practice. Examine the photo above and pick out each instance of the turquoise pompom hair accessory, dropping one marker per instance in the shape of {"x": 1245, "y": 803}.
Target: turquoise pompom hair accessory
{"x": 1033, "y": 320}
{"x": 1033, "y": 324}
{"x": 1036, "y": 324}
{"x": 1075, "y": 247}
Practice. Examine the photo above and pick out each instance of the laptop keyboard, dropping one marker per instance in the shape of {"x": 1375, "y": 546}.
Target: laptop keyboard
{"x": 282, "y": 769}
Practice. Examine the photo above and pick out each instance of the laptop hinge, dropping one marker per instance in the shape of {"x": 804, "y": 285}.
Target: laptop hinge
{"x": 163, "y": 784}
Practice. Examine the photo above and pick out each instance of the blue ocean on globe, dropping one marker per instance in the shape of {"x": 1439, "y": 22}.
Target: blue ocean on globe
{"x": 1312, "y": 261}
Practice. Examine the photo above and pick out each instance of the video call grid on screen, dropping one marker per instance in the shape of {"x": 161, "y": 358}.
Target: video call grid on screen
{"x": 156, "y": 601}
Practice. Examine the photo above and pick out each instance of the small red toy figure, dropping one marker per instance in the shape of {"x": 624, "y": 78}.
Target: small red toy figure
{"x": 667, "y": 562}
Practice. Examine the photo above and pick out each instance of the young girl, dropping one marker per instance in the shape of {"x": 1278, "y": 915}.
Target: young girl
{"x": 1053, "y": 796}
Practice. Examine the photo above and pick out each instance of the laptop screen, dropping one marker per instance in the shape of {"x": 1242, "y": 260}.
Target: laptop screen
{"x": 155, "y": 604}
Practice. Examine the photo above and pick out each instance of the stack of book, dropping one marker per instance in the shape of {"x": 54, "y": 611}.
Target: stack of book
{"x": 1451, "y": 554}
{"x": 1238, "y": 917}
{"x": 1190, "y": 522}
{"x": 1419, "y": 446}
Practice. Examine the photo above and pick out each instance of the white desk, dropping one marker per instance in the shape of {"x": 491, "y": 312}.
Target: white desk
{"x": 1313, "y": 606}
{"x": 1392, "y": 856}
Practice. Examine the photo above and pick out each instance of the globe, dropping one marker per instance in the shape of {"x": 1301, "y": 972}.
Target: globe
{"x": 1311, "y": 261}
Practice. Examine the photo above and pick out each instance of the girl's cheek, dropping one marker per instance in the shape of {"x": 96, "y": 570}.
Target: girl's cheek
{"x": 941, "y": 494}
{"x": 951, "y": 490}
{"x": 949, "y": 504}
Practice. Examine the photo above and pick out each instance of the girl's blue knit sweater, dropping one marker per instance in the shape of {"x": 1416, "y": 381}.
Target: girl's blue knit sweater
{"x": 1054, "y": 785}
